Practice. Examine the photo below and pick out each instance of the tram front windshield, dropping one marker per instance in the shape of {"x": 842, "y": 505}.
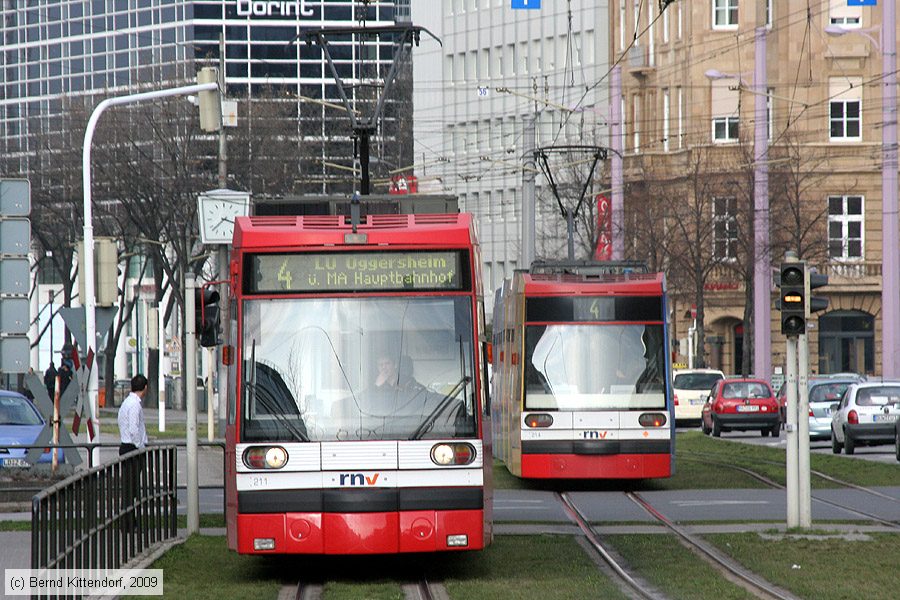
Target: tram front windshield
{"x": 594, "y": 367}
{"x": 335, "y": 369}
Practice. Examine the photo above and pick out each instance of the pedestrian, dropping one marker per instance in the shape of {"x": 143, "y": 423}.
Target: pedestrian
{"x": 65, "y": 376}
{"x": 50, "y": 379}
{"x": 132, "y": 433}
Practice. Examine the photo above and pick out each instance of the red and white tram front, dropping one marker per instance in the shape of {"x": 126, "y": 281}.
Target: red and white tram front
{"x": 358, "y": 423}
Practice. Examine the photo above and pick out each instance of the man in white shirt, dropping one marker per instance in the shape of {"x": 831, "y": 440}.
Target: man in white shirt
{"x": 132, "y": 433}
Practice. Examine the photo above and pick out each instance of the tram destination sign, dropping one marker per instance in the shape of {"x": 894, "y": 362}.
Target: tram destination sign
{"x": 355, "y": 272}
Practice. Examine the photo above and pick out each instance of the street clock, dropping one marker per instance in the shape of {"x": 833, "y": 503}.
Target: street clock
{"x": 217, "y": 210}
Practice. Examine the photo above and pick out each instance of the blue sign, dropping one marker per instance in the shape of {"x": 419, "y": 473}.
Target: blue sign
{"x": 528, "y": 4}
{"x": 862, "y": 2}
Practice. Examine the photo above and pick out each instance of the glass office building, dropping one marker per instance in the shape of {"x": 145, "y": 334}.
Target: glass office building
{"x": 56, "y": 50}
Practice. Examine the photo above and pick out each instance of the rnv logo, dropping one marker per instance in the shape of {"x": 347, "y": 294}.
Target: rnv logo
{"x": 353, "y": 479}
{"x": 594, "y": 435}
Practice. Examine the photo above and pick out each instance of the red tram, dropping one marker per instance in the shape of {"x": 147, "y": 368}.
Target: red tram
{"x": 582, "y": 378}
{"x": 356, "y": 390}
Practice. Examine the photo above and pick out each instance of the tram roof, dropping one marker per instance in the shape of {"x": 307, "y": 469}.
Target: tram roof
{"x": 552, "y": 284}
{"x": 456, "y": 229}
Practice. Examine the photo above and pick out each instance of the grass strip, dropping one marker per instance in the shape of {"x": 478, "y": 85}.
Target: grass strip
{"x": 663, "y": 561}
{"x": 544, "y": 567}
{"x": 696, "y": 475}
{"x": 204, "y": 569}
{"x": 529, "y": 567}
{"x": 825, "y": 567}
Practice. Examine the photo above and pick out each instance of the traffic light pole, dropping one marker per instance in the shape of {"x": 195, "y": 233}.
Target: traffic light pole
{"x": 804, "y": 499}
{"x": 190, "y": 391}
{"x": 791, "y": 465}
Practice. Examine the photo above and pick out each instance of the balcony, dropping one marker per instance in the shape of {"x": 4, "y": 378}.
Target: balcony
{"x": 639, "y": 61}
{"x": 856, "y": 276}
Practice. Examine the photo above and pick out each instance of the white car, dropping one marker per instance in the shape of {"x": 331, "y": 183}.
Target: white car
{"x": 867, "y": 414}
{"x": 691, "y": 387}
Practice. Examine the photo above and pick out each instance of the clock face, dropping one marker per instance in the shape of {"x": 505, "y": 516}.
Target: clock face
{"x": 217, "y": 218}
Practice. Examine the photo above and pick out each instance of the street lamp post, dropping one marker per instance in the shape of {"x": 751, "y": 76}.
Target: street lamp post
{"x": 90, "y": 301}
{"x": 890, "y": 250}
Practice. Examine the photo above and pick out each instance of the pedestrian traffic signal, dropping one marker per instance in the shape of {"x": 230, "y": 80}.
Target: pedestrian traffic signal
{"x": 793, "y": 304}
{"x": 206, "y": 316}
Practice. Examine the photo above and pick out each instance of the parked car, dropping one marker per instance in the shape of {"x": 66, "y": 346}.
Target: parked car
{"x": 20, "y": 424}
{"x": 867, "y": 414}
{"x": 690, "y": 388}
{"x": 824, "y": 391}
{"x": 741, "y": 404}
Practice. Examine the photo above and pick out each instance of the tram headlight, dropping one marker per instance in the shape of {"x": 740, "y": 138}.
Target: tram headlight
{"x": 539, "y": 420}
{"x": 452, "y": 454}
{"x": 265, "y": 457}
{"x": 652, "y": 420}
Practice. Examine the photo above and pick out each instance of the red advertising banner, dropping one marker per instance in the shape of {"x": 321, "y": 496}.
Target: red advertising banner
{"x": 604, "y": 248}
{"x": 404, "y": 184}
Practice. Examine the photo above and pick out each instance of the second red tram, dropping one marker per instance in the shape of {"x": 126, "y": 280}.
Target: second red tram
{"x": 581, "y": 375}
{"x": 355, "y": 414}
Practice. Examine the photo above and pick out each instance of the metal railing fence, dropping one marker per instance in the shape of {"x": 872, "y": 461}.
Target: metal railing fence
{"x": 103, "y": 517}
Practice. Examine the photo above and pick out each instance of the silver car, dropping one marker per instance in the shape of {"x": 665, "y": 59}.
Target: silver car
{"x": 823, "y": 393}
{"x": 866, "y": 414}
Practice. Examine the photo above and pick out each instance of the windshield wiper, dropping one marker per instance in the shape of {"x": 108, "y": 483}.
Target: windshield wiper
{"x": 250, "y": 389}
{"x": 428, "y": 422}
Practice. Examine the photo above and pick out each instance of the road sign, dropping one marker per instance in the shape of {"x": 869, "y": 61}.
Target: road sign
{"x": 15, "y": 235}
{"x": 14, "y": 354}
{"x": 15, "y": 315}
{"x": 15, "y": 197}
{"x": 526, "y": 4}
{"x": 862, "y": 2}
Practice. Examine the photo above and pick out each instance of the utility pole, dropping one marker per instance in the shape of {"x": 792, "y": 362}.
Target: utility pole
{"x": 528, "y": 195}
{"x": 618, "y": 181}
{"x": 190, "y": 392}
{"x": 762, "y": 270}
{"x": 222, "y": 259}
{"x": 890, "y": 290}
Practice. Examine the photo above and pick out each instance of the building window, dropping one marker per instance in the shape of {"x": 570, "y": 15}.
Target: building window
{"x": 680, "y": 118}
{"x": 725, "y": 110}
{"x": 665, "y": 25}
{"x": 725, "y": 129}
{"x": 622, "y": 24}
{"x": 665, "y": 123}
{"x": 636, "y": 123}
{"x": 680, "y": 20}
{"x": 769, "y": 13}
{"x": 842, "y": 15}
{"x": 770, "y": 115}
{"x": 844, "y": 119}
{"x": 724, "y": 229}
{"x": 725, "y": 14}
{"x": 845, "y": 227}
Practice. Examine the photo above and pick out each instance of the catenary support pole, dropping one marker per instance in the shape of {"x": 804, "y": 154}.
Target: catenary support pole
{"x": 528, "y": 194}
{"x": 762, "y": 270}
{"x": 616, "y": 165}
{"x": 890, "y": 290}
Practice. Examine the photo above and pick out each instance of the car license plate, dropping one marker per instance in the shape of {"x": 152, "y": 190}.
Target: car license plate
{"x": 696, "y": 401}
{"x": 885, "y": 418}
{"x": 747, "y": 408}
{"x": 15, "y": 462}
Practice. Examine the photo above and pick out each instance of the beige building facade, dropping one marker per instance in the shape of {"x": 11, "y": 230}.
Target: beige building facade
{"x": 688, "y": 97}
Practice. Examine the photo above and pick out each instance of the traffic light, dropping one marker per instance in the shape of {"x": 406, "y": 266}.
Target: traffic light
{"x": 813, "y": 281}
{"x": 793, "y": 304}
{"x": 206, "y": 316}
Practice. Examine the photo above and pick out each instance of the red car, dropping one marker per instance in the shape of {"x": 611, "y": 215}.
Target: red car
{"x": 741, "y": 404}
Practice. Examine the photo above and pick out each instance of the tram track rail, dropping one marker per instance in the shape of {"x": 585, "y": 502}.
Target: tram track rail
{"x": 733, "y": 571}
{"x": 641, "y": 589}
{"x": 813, "y": 472}
{"x": 774, "y": 484}
{"x": 425, "y": 590}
